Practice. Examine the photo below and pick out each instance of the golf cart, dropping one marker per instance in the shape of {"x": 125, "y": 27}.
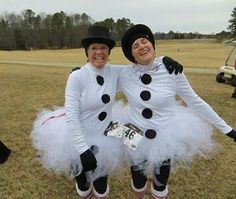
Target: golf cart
{"x": 227, "y": 72}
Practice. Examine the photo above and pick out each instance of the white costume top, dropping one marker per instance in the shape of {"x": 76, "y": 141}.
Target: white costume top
{"x": 163, "y": 89}
{"x": 170, "y": 131}
{"x": 89, "y": 104}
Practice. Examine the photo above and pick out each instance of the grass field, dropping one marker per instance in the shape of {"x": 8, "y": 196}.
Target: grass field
{"x": 25, "y": 88}
{"x": 191, "y": 53}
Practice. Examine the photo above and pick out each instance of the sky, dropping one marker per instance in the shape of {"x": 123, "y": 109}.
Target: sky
{"x": 202, "y": 16}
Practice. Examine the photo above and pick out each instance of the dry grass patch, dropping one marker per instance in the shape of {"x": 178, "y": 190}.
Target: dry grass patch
{"x": 204, "y": 54}
{"x": 191, "y": 53}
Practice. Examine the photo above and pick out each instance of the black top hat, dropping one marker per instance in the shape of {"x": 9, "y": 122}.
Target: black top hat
{"x": 98, "y": 34}
{"x": 133, "y": 33}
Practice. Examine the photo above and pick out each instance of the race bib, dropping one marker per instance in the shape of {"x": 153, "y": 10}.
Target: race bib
{"x": 114, "y": 130}
{"x": 132, "y": 136}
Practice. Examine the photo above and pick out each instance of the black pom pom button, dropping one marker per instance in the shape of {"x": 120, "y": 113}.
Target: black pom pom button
{"x": 150, "y": 134}
{"x": 145, "y": 95}
{"x": 102, "y": 116}
{"x": 147, "y": 113}
{"x": 100, "y": 80}
{"x": 106, "y": 98}
{"x": 146, "y": 79}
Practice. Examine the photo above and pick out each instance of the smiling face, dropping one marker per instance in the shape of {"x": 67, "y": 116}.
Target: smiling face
{"x": 143, "y": 51}
{"x": 98, "y": 54}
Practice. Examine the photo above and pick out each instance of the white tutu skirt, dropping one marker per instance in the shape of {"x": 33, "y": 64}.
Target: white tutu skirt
{"x": 57, "y": 153}
{"x": 183, "y": 137}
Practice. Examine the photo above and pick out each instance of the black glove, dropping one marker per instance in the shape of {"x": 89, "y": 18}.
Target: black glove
{"x": 172, "y": 65}
{"x": 4, "y": 153}
{"x": 232, "y": 134}
{"x": 76, "y": 68}
{"x": 88, "y": 161}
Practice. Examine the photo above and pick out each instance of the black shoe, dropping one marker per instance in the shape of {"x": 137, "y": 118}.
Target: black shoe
{"x": 4, "y": 153}
{"x": 233, "y": 95}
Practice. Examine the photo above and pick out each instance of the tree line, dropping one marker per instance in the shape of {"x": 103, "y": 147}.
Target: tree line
{"x": 29, "y": 31}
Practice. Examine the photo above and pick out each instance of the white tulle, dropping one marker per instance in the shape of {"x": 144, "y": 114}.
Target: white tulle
{"x": 183, "y": 137}
{"x": 57, "y": 153}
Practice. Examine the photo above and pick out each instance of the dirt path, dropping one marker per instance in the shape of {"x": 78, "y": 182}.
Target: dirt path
{"x": 186, "y": 69}
{"x": 38, "y": 63}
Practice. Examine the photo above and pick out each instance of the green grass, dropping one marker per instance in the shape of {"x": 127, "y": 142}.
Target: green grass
{"x": 27, "y": 88}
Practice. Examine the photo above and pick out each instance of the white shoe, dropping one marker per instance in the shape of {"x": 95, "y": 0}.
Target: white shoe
{"x": 139, "y": 193}
{"x": 101, "y": 196}
{"x": 85, "y": 194}
{"x": 159, "y": 194}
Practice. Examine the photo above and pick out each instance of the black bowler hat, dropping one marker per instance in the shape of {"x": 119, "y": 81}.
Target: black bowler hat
{"x": 133, "y": 33}
{"x": 98, "y": 34}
